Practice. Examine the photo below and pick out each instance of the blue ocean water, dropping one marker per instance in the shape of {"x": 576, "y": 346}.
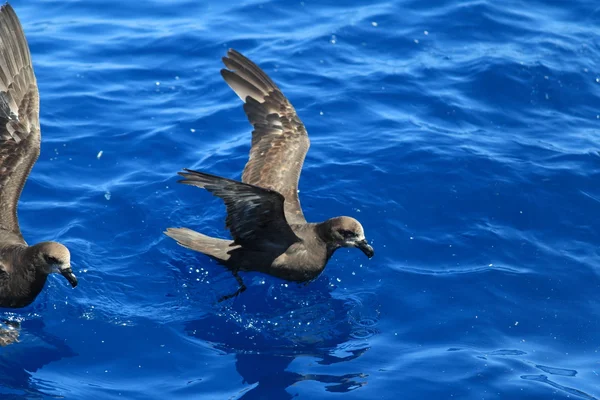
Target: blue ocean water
{"x": 463, "y": 134}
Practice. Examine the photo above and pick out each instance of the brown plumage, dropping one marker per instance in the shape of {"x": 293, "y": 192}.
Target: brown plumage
{"x": 23, "y": 269}
{"x": 279, "y": 139}
{"x": 264, "y": 216}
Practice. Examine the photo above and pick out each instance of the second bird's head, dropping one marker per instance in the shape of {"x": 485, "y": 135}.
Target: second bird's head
{"x": 53, "y": 257}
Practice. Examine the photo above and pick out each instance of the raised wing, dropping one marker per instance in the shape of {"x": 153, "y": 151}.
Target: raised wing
{"x": 19, "y": 117}
{"x": 255, "y": 215}
{"x": 279, "y": 139}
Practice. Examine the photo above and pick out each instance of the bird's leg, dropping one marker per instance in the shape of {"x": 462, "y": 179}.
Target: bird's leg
{"x": 240, "y": 289}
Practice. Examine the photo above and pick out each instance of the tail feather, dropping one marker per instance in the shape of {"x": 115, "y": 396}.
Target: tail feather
{"x": 212, "y": 247}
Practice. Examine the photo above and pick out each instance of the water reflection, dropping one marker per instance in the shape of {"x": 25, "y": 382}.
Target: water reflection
{"x": 27, "y": 348}
{"x": 271, "y": 326}
{"x": 269, "y": 374}
{"x": 9, "y": 332}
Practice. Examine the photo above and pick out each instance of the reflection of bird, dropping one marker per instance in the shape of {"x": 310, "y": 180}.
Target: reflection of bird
{"x": 18, "y": 363}
{"x": 273, "y": 341}
{"x": 264, "y": 351}
{"x": 264, "y": 216}
{"x": 23, "y": 269}
{"x": 9, "y": 332}
{"x": 271, "y": 374}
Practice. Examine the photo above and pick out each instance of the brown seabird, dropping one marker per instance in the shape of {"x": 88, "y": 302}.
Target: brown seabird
{"x": 23, "y": 269}
{"x": 264, "y": 217}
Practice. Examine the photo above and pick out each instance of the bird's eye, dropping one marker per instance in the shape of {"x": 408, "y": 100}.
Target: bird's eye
{"x": 50, "y": 260}
{"x": 347, "y": 234}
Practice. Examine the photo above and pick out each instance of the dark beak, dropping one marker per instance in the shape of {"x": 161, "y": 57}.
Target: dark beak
{"x": 365, "y": 248}
{"x": 69, "y": 275}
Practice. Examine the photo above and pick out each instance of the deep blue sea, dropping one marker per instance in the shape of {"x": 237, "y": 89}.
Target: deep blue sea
{"x": 464, "y": 135}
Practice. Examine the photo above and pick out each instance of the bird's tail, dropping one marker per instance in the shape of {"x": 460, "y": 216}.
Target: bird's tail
{"x": 212, "y": 247}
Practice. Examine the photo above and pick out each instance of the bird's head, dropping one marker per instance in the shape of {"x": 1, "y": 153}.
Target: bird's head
{"x": 53, "y": 257}
{"x": 347, "y": 232}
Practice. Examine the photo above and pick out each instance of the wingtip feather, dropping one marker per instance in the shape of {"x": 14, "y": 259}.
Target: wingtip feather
{"x": 6, "y": 6}
{"x": 233, "y": 52}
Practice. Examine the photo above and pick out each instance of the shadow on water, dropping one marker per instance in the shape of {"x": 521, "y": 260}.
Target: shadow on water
{"x": 271, "y": 326}
{"x": 27, "y": 349}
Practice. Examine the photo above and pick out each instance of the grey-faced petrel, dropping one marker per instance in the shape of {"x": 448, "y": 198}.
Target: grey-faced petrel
{"x": 264, "y": 217}
{"x": 23, "y": 269}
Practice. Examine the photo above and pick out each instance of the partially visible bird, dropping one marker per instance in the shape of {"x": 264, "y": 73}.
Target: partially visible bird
{"x": 264, "y": 216}
{"x": 23, "y": 269}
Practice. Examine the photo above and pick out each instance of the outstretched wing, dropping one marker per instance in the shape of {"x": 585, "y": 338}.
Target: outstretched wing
{"x": 255, "y": 215}
{"x": 19, "y": 117}
{"x": 279, "y": 139}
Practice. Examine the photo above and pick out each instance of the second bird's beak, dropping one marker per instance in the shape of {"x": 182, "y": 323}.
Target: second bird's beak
{"x": 365, "y": 248}
{"x": 69, "y": 275}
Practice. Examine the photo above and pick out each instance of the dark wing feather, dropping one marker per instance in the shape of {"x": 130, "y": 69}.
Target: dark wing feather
{"x": 279, "y": 139}
{"x": 255, "y": 215}
{"x": 19, "y": 117}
